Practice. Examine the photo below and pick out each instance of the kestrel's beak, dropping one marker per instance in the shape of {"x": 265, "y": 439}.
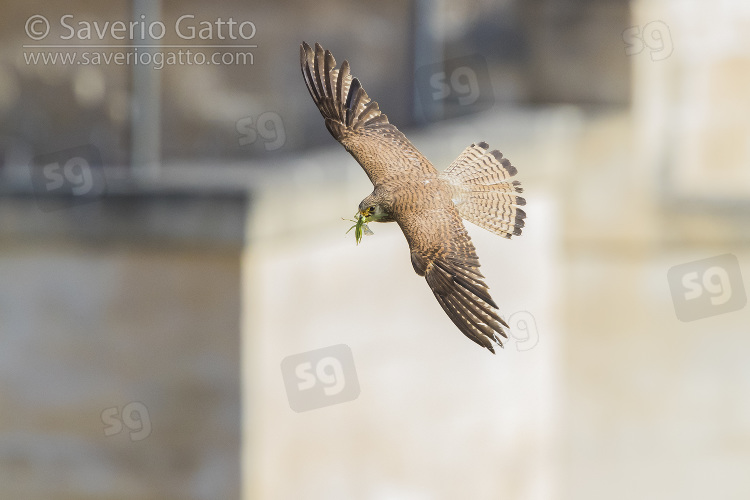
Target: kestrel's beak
{"x": 366, "y": 213}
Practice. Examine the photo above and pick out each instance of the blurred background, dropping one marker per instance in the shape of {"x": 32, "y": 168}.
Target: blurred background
{"x": 183, "y": 317}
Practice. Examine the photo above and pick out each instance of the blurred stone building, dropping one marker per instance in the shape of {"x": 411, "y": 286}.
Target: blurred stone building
{"x": 143, "y": 324}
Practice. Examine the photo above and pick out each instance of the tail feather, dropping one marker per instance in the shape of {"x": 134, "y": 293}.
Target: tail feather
{"x": 483, "y": 191}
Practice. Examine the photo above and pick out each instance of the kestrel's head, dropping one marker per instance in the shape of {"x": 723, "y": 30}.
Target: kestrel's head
{"x": 375, "y": 208}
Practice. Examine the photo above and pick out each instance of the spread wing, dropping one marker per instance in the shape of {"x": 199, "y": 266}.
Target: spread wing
{"x": 441, "y": 249}
{"x": 442, "y": 252}
{"x": 356, "y": 121}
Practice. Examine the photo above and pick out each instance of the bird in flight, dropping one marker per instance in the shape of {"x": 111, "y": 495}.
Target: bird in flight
{"x": 428, "y": 205}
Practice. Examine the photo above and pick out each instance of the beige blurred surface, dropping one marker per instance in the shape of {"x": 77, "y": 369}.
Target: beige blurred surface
{"x": 180, "y": 297}
{"x": 88, "y": 329}
{"x": 618, "y": 399}
{"x": 433, "y": 406}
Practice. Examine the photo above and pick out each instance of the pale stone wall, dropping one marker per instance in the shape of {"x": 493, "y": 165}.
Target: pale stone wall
{"x": 657, "y": 407}
{"x": 119, "y": 367}
{"x": 436, "y": 416}
{"x": 175, "y": 312}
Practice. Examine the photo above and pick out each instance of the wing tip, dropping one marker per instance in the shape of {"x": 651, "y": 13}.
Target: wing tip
{"x": 465, "y": 299}
{"x": 339, "y": 96}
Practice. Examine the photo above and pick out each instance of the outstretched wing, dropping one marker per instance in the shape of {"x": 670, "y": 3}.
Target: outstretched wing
{"x": 442, "y": 252}
{"x": 356, "y": 121}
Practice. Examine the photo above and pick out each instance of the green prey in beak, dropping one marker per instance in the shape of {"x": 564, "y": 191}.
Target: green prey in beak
{"x": 360, "y": 225}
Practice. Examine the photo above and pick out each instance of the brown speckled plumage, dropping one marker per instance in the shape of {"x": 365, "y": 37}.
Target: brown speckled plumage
{"x": 427, "y": 205}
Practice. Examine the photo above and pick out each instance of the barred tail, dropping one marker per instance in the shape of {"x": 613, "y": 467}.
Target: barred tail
{"x": 483, "y": 191}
